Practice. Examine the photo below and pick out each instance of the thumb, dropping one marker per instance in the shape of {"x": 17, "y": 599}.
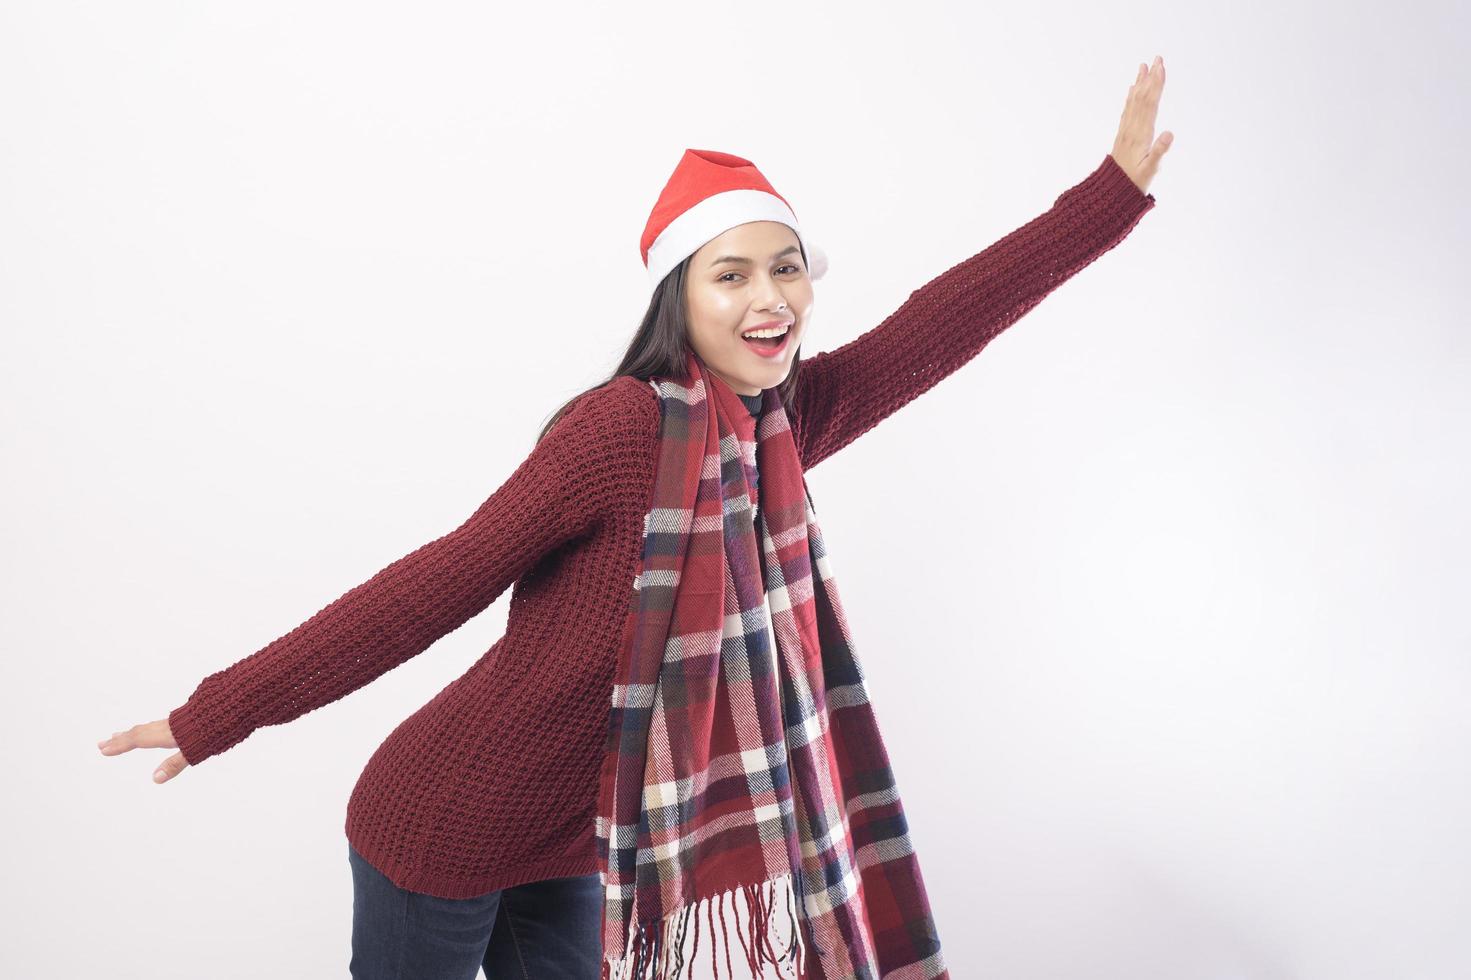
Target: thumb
{"x": 1160, "y": 147}
{"x": 170, "y": 768}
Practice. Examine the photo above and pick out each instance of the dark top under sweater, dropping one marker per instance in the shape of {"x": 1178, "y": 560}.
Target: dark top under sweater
{"x": 753, "y": 404}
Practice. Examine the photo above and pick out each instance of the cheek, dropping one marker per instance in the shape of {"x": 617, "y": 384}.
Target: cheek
{"x": 724, "y": 306}
{"x": 802, "y": 302}
{"x": 713, "y": 316}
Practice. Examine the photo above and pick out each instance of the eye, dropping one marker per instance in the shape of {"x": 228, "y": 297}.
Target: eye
{"x": 794, "y": 268}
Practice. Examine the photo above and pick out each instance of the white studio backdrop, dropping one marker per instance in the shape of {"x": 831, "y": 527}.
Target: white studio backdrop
{"x": 1162, "y": 598}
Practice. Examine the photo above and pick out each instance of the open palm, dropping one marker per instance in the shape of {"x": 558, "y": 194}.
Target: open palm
{"x": 1136, "y": 149}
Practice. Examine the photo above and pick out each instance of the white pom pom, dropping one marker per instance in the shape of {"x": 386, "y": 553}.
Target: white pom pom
{"x": 816, "y": 261}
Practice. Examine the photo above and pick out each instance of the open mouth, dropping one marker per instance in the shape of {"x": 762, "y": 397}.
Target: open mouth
{"x": 769, "y": 346}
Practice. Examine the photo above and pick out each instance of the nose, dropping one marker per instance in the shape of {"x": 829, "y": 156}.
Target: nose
{"x": 772, "y": 299}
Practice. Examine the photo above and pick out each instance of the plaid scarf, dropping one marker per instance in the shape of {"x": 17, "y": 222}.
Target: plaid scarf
{"x": 731, "y": 766}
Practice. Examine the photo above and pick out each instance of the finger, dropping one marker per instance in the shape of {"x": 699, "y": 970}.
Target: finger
{"x": 152, "y": 735}
{"x": 169, "y": 768}
{"x": 1131, "y": 101}
{"x": 1147, "y": 102}
{"x": 1145, "y": 82}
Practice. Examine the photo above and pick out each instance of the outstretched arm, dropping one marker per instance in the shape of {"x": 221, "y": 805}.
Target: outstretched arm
{"x": 553, "y": 497}
{"x": 843, "y": 393}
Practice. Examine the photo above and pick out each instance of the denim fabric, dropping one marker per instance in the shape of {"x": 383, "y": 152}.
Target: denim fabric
{"x": 541, "y": 930}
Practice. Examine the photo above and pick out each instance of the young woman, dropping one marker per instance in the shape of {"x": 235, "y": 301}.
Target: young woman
{"x": 624, "y": 761}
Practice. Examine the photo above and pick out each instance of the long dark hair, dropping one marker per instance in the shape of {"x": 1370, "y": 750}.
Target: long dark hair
{"x": 659, "y": 346}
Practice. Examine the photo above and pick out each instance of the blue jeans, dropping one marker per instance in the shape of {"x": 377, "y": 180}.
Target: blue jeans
{"x": 541, "y": 930}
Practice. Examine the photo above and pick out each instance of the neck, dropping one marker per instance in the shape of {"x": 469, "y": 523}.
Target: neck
{"x": 739, "y": 387}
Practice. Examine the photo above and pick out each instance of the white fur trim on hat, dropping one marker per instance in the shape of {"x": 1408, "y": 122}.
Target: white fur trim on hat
{"x": 717, "y": 214}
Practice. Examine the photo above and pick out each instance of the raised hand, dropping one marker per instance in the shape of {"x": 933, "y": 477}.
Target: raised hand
{"x": 152, "y": 735}
{"x": 1135, "y": 149}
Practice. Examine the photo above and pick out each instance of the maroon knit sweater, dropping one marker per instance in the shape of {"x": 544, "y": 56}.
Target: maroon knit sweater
{"x": 494, "y": 781}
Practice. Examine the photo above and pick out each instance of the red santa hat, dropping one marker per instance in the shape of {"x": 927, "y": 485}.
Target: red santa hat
{"x": 708, "y": 194}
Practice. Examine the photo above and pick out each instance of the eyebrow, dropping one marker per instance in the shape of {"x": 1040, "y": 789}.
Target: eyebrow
{"x": 745, "y": 261}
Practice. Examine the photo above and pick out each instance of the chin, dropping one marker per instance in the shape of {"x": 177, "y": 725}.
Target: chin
{"x": 777, "y": 377}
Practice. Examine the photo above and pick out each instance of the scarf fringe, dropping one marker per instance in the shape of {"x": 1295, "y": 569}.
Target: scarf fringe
{"x": 657, "y": 946}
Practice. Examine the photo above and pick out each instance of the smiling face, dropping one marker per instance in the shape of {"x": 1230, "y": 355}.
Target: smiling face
{"x": 751, "y": 276}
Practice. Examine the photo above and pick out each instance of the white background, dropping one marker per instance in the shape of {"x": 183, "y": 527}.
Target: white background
{"x": 1163, "y": 598}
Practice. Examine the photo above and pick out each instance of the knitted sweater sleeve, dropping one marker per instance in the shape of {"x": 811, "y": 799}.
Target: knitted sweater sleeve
{"x": 843, "y": 393}
{"x": 555, "y": 495}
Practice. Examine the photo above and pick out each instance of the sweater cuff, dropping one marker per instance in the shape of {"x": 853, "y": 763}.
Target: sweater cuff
{"x": 1110, "y": 199}
{"x": 1118, "y": 182}
{"x": 189, "y": 733}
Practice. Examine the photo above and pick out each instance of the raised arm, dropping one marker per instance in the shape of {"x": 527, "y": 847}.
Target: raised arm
{"x": 843, "y": 393}
{"x": 554, "y": 496}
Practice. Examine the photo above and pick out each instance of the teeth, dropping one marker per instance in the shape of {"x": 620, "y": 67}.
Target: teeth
{"x": 771, "y": 332}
